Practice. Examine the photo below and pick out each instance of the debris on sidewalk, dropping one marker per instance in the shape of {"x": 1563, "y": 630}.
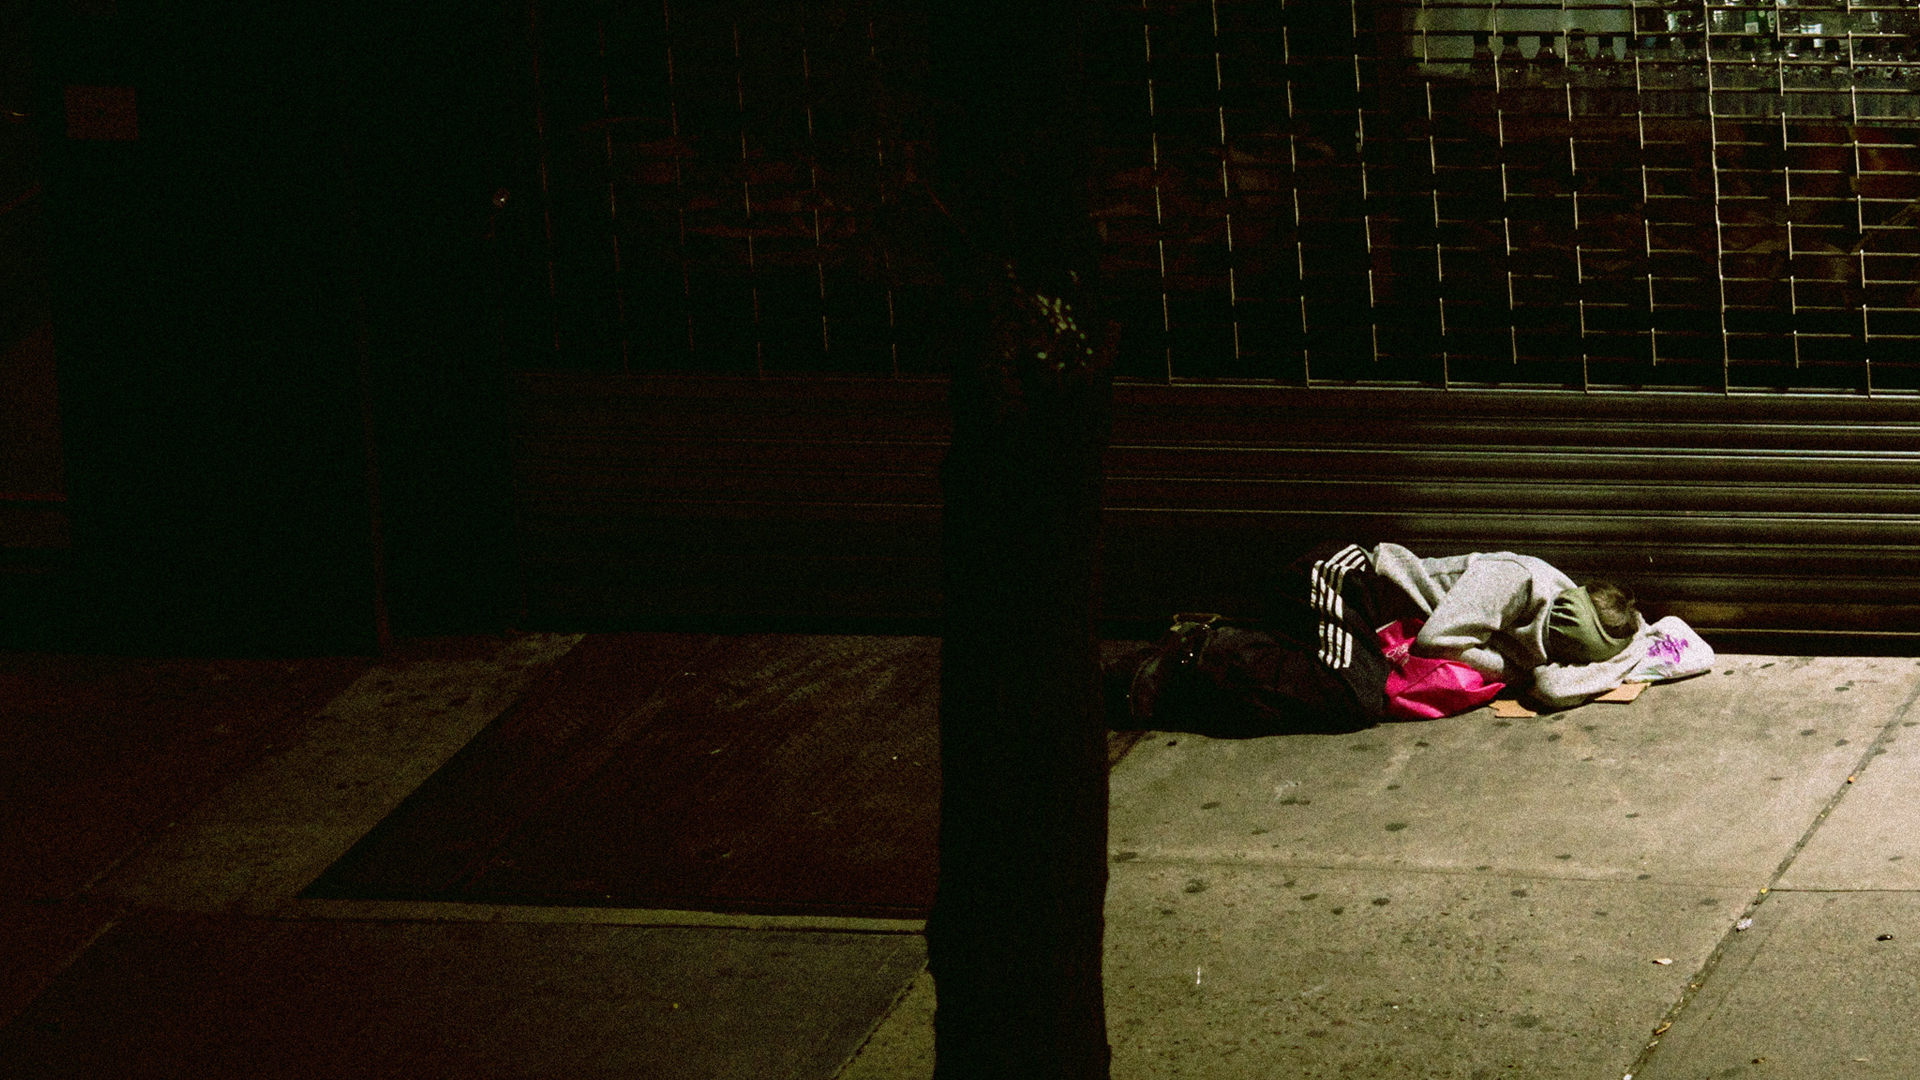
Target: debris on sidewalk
{"x": 1509, "y": 709}
{"x": 1663, "y": 960}
{"x": 1743, "y": 924}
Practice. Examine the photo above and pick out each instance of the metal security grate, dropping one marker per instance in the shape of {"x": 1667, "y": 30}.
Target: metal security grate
{"x": 715, "y": 181}
{"x": 1563, "y": 195}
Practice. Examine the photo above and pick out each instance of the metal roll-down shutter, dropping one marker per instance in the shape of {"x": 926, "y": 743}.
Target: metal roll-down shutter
{"x": 1632, "y": 287}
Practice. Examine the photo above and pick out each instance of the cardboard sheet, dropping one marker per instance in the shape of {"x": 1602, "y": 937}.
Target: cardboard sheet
{"x": 1624, "y": 693}
{"x": 1509, "y": 709}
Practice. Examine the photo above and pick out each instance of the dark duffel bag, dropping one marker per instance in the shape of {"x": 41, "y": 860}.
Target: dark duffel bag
{"x": 1313, "y": 664}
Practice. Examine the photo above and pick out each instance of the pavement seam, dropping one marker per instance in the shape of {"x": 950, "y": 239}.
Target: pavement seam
{"x": 899, "y": 999}
{"x": 1165, "y": 859}
{"x": 1790, "y": 890}
{"x": 53, "y": 975}
{"x": 365, "y": 732}
{"x": 1720, "y": 949}
{"x": 302, "y": 909}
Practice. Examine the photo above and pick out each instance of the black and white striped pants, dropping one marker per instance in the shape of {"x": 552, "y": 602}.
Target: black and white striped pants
{"x": 1313, "y": 663}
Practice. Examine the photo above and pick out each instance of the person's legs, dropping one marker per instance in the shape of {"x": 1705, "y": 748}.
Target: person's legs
{"x": 1315, "y": 665}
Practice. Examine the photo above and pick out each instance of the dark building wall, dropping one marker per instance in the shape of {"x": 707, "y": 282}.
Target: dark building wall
{"x": 32, "y": 487}
{"x": 436, "y": 113}
{"x": 207, "y": 371}
{"x": 294, "y": 252}
{"x": 265, "y": 242}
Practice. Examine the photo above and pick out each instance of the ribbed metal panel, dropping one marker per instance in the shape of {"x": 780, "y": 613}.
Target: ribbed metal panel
{"x": 646, "y": 498}
{"x": 1760, "y": 511}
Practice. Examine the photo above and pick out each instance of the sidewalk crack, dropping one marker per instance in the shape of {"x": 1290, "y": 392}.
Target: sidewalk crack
{"x": 1712, "y": 962}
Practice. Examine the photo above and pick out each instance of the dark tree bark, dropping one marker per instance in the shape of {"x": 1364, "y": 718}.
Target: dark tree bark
{"x": 1016, "y": 934}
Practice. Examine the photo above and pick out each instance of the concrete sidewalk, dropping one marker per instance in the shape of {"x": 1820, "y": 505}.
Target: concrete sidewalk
{"x": 1559, "y": 896}
{"x": 1467, "y": 898}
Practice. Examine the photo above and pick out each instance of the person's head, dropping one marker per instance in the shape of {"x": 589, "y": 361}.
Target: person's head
{"x": 1615, "y": 606}
{"x": 1592, "y": 623}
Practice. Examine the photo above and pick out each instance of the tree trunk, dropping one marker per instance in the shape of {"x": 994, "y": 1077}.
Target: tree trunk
{"x": 1016, "y": 934}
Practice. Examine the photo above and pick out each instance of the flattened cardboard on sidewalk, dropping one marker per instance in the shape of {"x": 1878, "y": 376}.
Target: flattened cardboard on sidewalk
{"x": 1624, "y": 693}
{"x": 1509, "y": 709}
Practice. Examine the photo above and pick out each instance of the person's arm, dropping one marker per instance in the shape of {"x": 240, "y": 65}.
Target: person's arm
{"x": 1489, "y": 597}
{"x": 1563, "y": 686}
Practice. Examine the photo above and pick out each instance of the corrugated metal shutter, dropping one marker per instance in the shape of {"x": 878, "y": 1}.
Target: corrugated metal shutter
{"x": 1643, "y": 302}
{"x": 648, "y": 498}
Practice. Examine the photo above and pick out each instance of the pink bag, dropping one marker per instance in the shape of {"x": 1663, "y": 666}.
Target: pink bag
{"x": 1420, "y": 688}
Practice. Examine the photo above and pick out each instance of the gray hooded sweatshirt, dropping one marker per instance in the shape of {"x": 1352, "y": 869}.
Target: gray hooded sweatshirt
{"x": 1489, "y": 611}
